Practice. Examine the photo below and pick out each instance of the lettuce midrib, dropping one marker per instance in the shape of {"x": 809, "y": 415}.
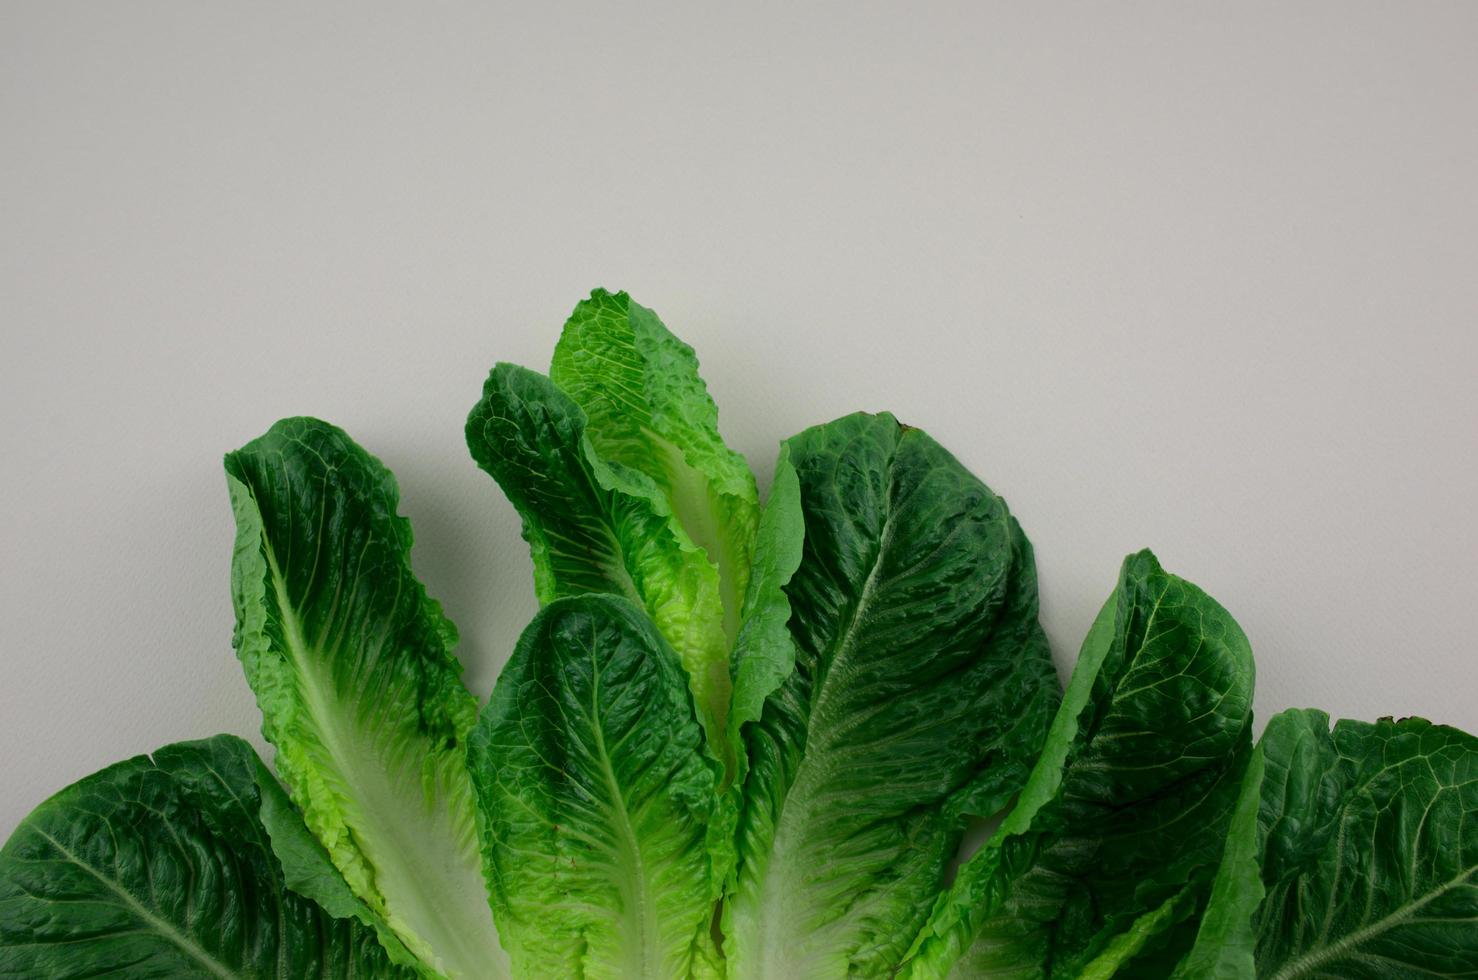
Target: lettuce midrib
{"x": 428, "y": 883}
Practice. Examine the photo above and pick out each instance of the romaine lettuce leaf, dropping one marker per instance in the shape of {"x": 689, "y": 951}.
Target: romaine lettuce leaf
{"x": 624, "y": 485}
{"x": 1368, "y": 860}
{"x": 595, "y": 525}
{"x": 308, "y": 870}
{"x": 596, "y": 792}
{"x": 920, "y": 691}
{"x": 1114, "y": 838}
{"x": 764, "y": 652}
{"x": 736, "y": 742}
{"x": 649, "y": 410}
{"x": 1223, "y": 948}
{"x": 352, "y": 666}
{"x": 161, "y": 867}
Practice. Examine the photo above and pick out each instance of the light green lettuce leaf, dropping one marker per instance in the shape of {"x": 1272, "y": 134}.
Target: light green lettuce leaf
{"x": 649, "y": 410}
{"x": 353, "y": 669}
{"x": 764, "y": 655}
{"x": 595, "y": 525}
{"x": 307, "y": 868}
{"x": 1113, "y": 841}
{"x": 596, "y": 792}
{"x": 920, "y": 691}
{"x": 161, "y": 867}
{"x": 764, "y": 652}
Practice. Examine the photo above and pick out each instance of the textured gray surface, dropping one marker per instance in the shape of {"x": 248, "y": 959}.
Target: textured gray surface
{"x": 1197, "y": 281}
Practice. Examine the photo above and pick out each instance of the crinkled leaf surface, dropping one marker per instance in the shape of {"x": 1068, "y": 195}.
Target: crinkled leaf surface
{"x": 160, "y": 867}
{"x": 595, "y": 525}
{"x": 1122, "y": 822}
{"x": 353, "y": 669}
{"x": 921, "y": 688}
{"x": 1369, "y": 857}
{"x": 596, "y": 792}
{"x": 649, "y": 410}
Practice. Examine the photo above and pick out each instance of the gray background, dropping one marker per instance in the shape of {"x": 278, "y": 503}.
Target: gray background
{"x": 1199, "y": 279}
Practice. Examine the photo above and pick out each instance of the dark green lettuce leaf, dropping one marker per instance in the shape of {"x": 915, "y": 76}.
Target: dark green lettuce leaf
{"x": 1223, "y": 947}
{"x": 161, "y": 867}
{"x": 353, "y": 669}
{"x": 1366, "y": 858}
{"x": 596, "y": 793}
{"x": 920, "y": 691}
{"x": 1112, "y": 844}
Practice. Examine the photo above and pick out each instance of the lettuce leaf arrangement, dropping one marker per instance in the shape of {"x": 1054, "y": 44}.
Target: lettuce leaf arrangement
{"x": 739, "y": 739}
